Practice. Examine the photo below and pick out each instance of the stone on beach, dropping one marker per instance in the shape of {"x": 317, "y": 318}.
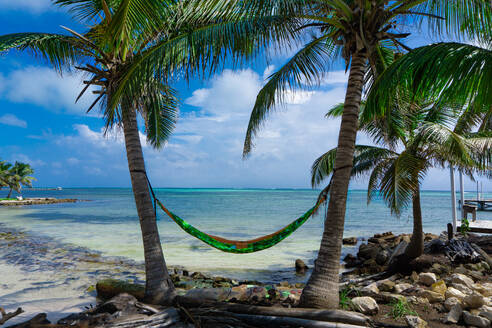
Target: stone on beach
{"x": 453, "y": 292}
{"x": 349, "y": 241}
{"x": 458, "y": 278}
{"x": 301, "y": 267}
{"x": 427, "y": 278}
{"x": 454, "y": 314}
{"x": 475, "y": 320}
{"x": 415, "y": 322}
{"x": 439, "y": 287}
{"x": 473, "y": 301}
{"x": 433, "y": 297}
{"x": 365, "y": 305}
{"x": 450, "y": 302}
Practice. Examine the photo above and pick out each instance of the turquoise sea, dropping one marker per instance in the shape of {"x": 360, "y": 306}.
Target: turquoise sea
{"x": 106, "y": 221}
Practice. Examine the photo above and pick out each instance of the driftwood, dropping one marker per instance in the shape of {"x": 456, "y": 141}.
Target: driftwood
{"x": 277, "y": 321}
{"x": 461, "y": 251}
{"x": 7, "y": 316}
{"x": 339, "y": 316}
{"x": 167, "y": 318}
{"x": 480, "y": 251}
{"x": 377, "y": 276}
{"x": 37, "y": 321}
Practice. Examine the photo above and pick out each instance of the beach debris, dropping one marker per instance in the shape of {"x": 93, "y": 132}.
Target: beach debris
{"x": 7, "y": 316}
{"x": 37, "y": 321}
{"x": 109, "y": 288}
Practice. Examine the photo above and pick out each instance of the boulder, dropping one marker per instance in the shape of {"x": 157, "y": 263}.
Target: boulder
{"x": 365, "y": 305}
{"x": 439, "y": 287}
{"x": 433, "y": 297}
{"x": 473, "y": 301}
{"x": 453, "y": 292}
{"x": 382, "y": 257}
{"x": 459, "y": 278}
{"x": 368, "y": 251}
{"x": 450, "y": 302}
{"x": 350, "y": 261}
{"x": 427, "y": 278}
{"x": 401, "y": 287}
{"x": 386, "y": 285}
{"x": 301, "y": 267}
{"x": 485, "y": 288}
{"x": 454, "y": 314}
{"x": 462, "y": 288}
{"x": 486, "y": 313}
{"x": 475, "y": 320}
{"x": 349, "y": 241}
{"x": 371, "y": 288}
{"x": 415, "y": 322}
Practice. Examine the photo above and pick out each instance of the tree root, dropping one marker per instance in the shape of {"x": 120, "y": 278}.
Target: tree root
{"x": 7, "y": 316}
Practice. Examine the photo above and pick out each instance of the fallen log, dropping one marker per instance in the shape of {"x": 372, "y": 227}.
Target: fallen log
{"x": 480, "y": 251}
{"x": 357, "y": 281}
{"x": 334, "y": 316}
{"x": 167, "y": 318}
{"x": 277, "y": 321}
{"x": 37, "y": 321}
{"x": 7, "y": 316}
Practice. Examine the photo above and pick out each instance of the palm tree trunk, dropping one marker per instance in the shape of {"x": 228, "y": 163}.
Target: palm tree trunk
{"x": 321, "y": 290}
{"x": 416, "y": 246}
{"x": 10, "y": 193}
{"x": 159, "y": 288}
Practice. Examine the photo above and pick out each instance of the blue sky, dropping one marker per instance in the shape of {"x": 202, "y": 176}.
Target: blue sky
{"x": 41, "y": 124}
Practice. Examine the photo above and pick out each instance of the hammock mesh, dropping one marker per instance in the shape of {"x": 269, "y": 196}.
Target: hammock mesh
{"x": 236, "y": 246}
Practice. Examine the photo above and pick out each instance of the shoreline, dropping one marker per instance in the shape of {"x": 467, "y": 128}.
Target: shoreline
{"x": 37, "y": 201}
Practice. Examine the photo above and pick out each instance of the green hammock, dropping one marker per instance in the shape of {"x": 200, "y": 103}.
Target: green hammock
{"x": 236, "y": 246}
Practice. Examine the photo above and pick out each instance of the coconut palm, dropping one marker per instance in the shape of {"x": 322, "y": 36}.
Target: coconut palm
{"x": 131, "y": 52}
{"x": 352, "y": 30}
{"x": 455, "y": 72}
{"x": 4, "y": 174}
{"x": 19, "y": 175}
{"x": 414, "y": 136}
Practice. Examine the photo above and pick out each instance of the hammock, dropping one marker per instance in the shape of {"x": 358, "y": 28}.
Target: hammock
{"x": 237, "y": 246}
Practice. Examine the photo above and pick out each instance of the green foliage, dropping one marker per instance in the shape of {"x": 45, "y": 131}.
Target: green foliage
{"x": 15, "y": 176}
{"x": 427, "y": 135}
{"x": 340, "y": 29}
{"x": 345, "y": 298}
{"x": 400, "y": 309}
{"x": 465, "y": 226}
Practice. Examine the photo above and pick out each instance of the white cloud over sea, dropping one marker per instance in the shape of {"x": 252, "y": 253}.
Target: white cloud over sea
{"x": 12, "y": 120}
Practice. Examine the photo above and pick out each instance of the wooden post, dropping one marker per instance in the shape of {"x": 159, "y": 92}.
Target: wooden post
{"x": 453, "y": 197}
{"x": 462, "y": 195}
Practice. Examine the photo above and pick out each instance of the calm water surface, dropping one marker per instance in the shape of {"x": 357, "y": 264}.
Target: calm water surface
{"x": 107, "y": 222}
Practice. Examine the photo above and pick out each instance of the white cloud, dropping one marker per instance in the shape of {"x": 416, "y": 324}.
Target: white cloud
{"x": 32, "y": 6}
{"x": 10, "y": 119}
{"x": 44, "y": 87}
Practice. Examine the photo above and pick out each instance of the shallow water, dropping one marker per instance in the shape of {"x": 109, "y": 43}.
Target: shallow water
{"x": 107, "y": 222}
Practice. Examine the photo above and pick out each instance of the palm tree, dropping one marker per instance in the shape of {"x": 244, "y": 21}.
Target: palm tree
{"x": 415, "y": 136}
{"x": 19, "y": 175}
{"x": 131, "y": 53}
{"x": 4, "y": 174}
{"x": 455, "y": 72}
{"x": 354, "y": 31}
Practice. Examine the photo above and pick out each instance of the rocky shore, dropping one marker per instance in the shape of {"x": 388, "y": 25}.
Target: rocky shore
{"x": 449, "y": 286}
{"x": 36, "y": 201}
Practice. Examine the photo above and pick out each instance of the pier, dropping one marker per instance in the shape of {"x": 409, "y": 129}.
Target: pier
{"x": 481, "y": 204}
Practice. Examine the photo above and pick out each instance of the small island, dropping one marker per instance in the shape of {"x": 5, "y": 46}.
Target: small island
{"x": 35, "y": 201}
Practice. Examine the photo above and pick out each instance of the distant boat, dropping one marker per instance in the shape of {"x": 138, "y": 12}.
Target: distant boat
{"x": 59, "y": 188}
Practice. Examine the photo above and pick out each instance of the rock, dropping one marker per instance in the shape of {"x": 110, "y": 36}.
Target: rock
{"x": 368, "y": 251}
{"x": 462, "y": 288}
{"x": 284, "y": 284}
{"x": 401, "y": 287}
{"x": 386, "y": 285}
{"x": 473, "y": 301}
{"x": 454, "y": 314}
{"x": 109, "y": 288}
{"x": 458, "y": 278}
{"x": 210, "y": 294}
{"x": 422, "y": 263}
{"x": 475, "y": 320}
{"x": 397, "y": 253}
{"x": 450, "y": 302}
{"x": 433, "y": 297}
{"x": 349, "y": 241}
{"x": 485, "y": 289}
{"x": 123, "y": 303}
{"x": 365, "y": 305}
{"x": 427, "y": 278}
{"x": 372, "y": 288}
{"x": 382, "y": 257}
{"x": 301, "y": 267}
{"x": 486, "y": 314}
{"x": 453, "y": 292}
{"x": 350, "y": 261}
{"x": 439, "y": 287}
{"x": 414, "y": 276}
{"x": 415, "y": 322}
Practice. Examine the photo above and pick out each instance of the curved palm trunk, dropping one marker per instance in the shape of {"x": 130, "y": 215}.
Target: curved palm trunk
{"x": 321, "y": 290}
{"x": 10, "y": 193}
{"x": 159, "y": 287}
{"x": 416, "y": 246}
